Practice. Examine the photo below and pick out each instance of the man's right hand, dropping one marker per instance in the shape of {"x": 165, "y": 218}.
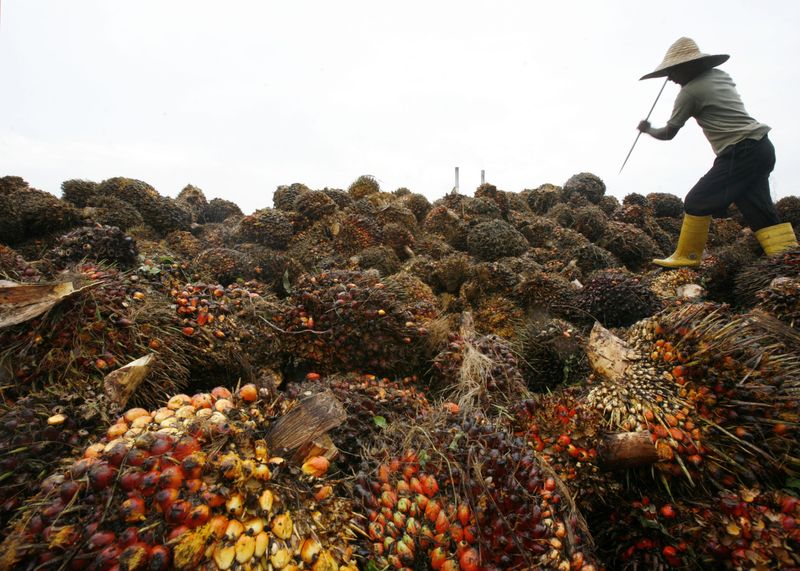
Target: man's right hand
{"x": 644, "y": 126}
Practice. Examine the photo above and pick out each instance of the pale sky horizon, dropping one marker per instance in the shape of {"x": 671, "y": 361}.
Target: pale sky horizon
{"x": 241, "y": 97}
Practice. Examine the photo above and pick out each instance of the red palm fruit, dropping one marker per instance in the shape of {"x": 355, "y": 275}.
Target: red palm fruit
{"x": 176, "y": 532}
{"x": 383, "y": 473}
{"x": 132, "y": 414}
{"x": 218, "y": 524}
{"x": 116, "y": 455}
{"x": 415, "y": 485}
{"x": 470, "y": 534}
{"x": 202, "y": 400}
{"x": 788, "y": 504}
{"x": 438, "y": 557}
{"x": 463, "y": 513}
{"x": 432, "y": 511}
{"x": 442, "y": 524}
{"x": 100, "y": 539}
{"x": 162, "y": 444}
{"x": 198, "y": 515}
{"x": 550, "y": 484}
{"x": 184, "y": 447}
{"x": 129, "y": 536}
{"x": 134, "y": 556}
{"x": 165, "y": 498}
{"x": 421, "y": 501}
{"x": 456, "y": 531}
{"x": 388, "y": 499}
{"x": 101, "y": 475}
{"x": 221, "y": 393}
{"x": 449, "y": 565}
{"x": 68, "y": 490}
{"x": 79, "y": 468}
{"x": 399, "y": 519}
{"x": 149, "y": 483}
{"x": 193, "y": 486}
{"x": 179, "y": 512}
{"x": 469, "y": 560}
{"x": 171, "y": 477}
{"x": 667, "y": 511}
{"x": 375, "y": 531}
{"x": 248, "y": 393}
{"x": 107, "y": 558}
{"x": 133, "y": 509}
{"x": 160, "y": 558}
{"x": 429, "y": 485}
{"x": 192, "y": 464}
{"x": 403, "y": 488}
{"x": 213, "y": 498}
{"x": 408, "y": 471}
{"x": 136, "y": 457}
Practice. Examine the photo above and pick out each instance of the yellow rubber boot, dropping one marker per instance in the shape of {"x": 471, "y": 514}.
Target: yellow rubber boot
{"x": 689, "y": 251}
{"x": 776, "y": 239}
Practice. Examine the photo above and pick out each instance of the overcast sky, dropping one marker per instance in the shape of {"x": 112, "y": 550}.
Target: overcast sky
{"x": 239, "y": 97}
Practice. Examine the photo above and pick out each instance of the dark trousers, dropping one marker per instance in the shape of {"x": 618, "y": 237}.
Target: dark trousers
{"x": 740, "y": 175}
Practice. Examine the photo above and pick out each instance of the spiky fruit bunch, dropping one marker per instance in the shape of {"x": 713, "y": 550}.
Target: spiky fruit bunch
{"x": 14, "y": 266}
{"x": 723, "y": 232}
{"x": 543, "y": 198}
{"x": 107, "y": 323}
{"x": 635, "y": 199}
{"x": 585, "y": 185}
{"x": 267, "y": 226}
{"x": 471, "y": 497}
{"x": 355, "y": 233}
{"x": 78, "y": 192}
{"x": 481, "y": 209}
{"x": 39, "y": 432}
{"x": 432, "y": 247}
{"x": 499, "y": 315}
{"x": 380, "y": 258}
{"x": 671, "y": 226}
{"x": 452, "y": 271}
{"x": 630, "y": 245}
{"x": 284, "y": 196}
{"x": 782, "y": 299}
{"x": 223, "y": 265}
{"x": 398, "y": 213}
{"x": 789, "y": 210}
{"x": 30, "y": 213}
{"x": 106, "y": 244}
{"x": 418, "y": 204}
{"x": 665, "y": 205}
{"x": 112, "y": 211}
{"x": 552, "y": 352}
{"x": 609, "y": 204}
{"x": 546, "y": 292}
{"x": 350, "y": 321}
{"x": 445, "y": 223}
{"x": 562, "y": 214}
{"x": 666, "y": 284}
{"x": 617, "y": 298}
{"x": 219, "y": 210}
{"x": 500, "y": 198}
{"x": 400, "y": 239}
{"x": 489, "y": 278}
{"x": 589, "y": 258}
{"x": 186, "y": 486}
{"x": 314, "y": 205}
{"x": 495, "y": 239}
{"x": 163, "y": 214}
{"x": 536, "y": 229}
{"x": 719, "y": 270}
{"x": 339, "y": 196}
{"x": 590, "y": 221}
{"x": 363, "y": 186}
{"x": 760, "y": 274}
{"x": 194, "y": 201}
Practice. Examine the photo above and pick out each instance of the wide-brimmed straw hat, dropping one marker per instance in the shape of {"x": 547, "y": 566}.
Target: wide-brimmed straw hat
{"x": 685, "y": 50}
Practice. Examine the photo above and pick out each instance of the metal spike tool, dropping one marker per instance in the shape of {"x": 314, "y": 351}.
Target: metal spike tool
{"x": 646, "y": 119}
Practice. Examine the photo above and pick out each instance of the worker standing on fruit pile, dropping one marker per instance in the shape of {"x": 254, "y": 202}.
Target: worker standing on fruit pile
{"x": 745, "y": 155}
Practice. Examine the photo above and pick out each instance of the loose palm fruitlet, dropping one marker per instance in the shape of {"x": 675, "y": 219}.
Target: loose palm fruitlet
{"x": 350, "y": 321}
{"x": 190, "y": 486}
{"x": 475, "y": 498}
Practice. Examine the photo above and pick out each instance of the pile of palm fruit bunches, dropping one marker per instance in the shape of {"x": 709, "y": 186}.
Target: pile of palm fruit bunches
{"x": 362, "y": 379}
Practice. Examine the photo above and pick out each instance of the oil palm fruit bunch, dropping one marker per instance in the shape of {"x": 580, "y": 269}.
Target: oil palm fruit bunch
{"x": 488, "y": 278}
{"x": 720, "y": 268}
{"x": 479, "y": 370}
{"x": 665, "y": 205}
{"x": 193, "y": 200}
{"x": 399, "y": 238}
{"x": 498, "y": 197}
{"x": 34, "y": 212}
{"x": 590, "y": 257}
{"x": 109, "y": 322}
{"x": 98, "y": 243}
{"x": 190, "y": 485}
{"x": 760, "y": 274}
{"x": 584, "y": 185}
{"x": 499, "y": 315}
{"x": 339, "y": 196}
{"x": 313, "y": 205}
{"x": 552, "y": 352}
{"x": 397, "y": 213}
{"x": 223, "y": 265}
{"x": 350, "y": 321}
{"x": 472, "y": 496}
{"x": 418, "y": 204}
{"x": 161, "y": 213}
{"x": 40, "y": 430}
{"x": 273, "y": 228}
{"x": 545, "y": 292}
{"x": 543, "y": 198}
{"x": 687, "y": 389}
{"x": 284, "y": 196}
{"x": 451, "y": 271}
{"x": 355, "y": 233}
{"x": 111, "y": 211}
{"x": 631, "y": 245}
{"x": 78, "y": 192}
{"x": 363, "y": 186}
{"x": 14, "y": 266}
{"x": 665, "y": 284}
{"x": 444, "y": 222}
{"x": 789, "y": 210}
{"x": 218, "y": 210}
{"x": 184, "y": 244}
{"x": 617, "y": 298}
{"x": 782, "y": 300}
{"x": 494, "y": 239}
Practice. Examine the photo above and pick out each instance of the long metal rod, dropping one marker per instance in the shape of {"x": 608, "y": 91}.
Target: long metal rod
{"x": 646, "y": 118}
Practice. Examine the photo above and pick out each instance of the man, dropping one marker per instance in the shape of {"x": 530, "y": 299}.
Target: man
{"x": 745, "y": 155}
